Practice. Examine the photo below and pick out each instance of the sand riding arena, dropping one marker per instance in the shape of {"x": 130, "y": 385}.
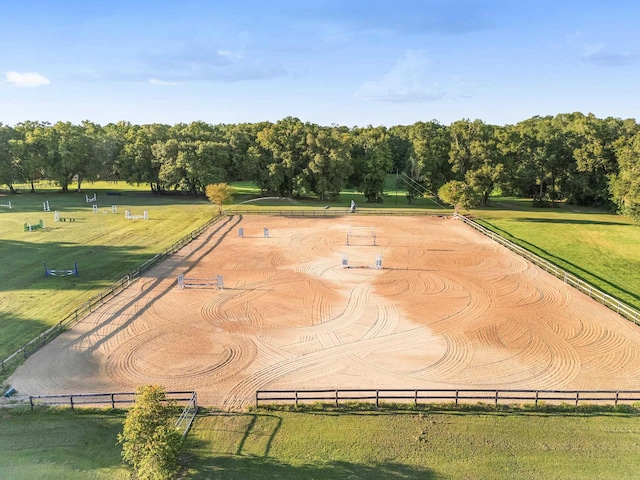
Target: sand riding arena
{"x": 449, "y": 308}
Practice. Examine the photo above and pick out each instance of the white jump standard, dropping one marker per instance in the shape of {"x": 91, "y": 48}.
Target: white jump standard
{"x": 61, "y": 272}
{"x": 58, "y": 218}
{"x": 92, "y": 199}
{"x": 45, "y": 206}
{"x": 217, "y": 282}
{"x": 128, "y": 216}
{"x": 241, "y": 232}
{"x": 377, "y": 266}
{"x": 365, "y": 233}
{"x": 6, "y": 205}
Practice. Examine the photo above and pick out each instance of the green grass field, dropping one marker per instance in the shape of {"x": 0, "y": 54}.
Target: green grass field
{"x": 601, "y": 248}
{"x": 60, "y": 444}
{"x": 403, "y": 445}
{"x": 388, "y": 445}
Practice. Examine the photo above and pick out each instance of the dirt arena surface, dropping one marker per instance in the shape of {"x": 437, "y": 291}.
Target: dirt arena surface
{"x": 449, "y": 308}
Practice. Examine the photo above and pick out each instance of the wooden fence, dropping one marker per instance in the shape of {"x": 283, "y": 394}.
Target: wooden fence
{"x": 113, "y": 400}
{"x": 598, "y": 295}
{"x": 331, "y": 212}
{"x": 457, "y": 396}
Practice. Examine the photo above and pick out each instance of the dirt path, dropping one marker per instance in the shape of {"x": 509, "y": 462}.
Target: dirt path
{"x": 449, "y": 308}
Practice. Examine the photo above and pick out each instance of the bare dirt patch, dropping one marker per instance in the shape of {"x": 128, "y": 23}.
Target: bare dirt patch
{"x": 450, "y": 308}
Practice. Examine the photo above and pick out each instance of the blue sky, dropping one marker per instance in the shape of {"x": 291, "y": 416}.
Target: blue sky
{"x": 344, "y": 62}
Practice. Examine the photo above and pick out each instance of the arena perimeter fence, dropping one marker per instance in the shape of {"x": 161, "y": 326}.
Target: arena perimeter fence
{"x": 607, "y": 300}
{"x": 332, "y": 212}
{"x": 457, "y": 396}
{"x": 94, "y": 302}
{"x": 90, "y": 305}
{"x": 183, "y": 423}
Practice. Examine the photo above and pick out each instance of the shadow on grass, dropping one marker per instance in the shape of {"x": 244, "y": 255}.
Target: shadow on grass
{"x": 258, "y": 468}
{"x": 541, "y": 410}
{"x": 24, "y": 263}
{"x": 561, "y": 262}
{"x": 250, "y": 456}
{"x": 570, "y": 221}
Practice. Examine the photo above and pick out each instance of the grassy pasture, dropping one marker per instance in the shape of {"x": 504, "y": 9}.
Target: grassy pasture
{"x": 599, "y": 247}
{"x": 65, "y": 444}
{"x": 400, "y": 445}
{"x": 60, "y": 444}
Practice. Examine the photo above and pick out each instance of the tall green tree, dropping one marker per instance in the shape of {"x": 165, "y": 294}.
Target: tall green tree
{"x": 329, "y": 153}
{"x": 150, "y": 442}
{"x": 372, "y": 161}
{"x": 428, "y": 165}
{"x": 10, "y": 171}
{"x": 625, "y": 184}
{"x": 137, "y": 162}
{"x": 285, "y": 144}
{"x": 31, "y": 149}
{"x": 595, "y": 158}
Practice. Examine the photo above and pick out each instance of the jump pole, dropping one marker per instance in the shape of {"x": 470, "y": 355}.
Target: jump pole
{"x": 61, "y": 272}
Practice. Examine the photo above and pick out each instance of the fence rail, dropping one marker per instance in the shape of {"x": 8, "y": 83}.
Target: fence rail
{"x": 94, "y": 302}
{"x": 607, "y": 300}
{"x": 458, "y": 396}
{"x": 333, "y": 212}
{"x": 183, "y": 423}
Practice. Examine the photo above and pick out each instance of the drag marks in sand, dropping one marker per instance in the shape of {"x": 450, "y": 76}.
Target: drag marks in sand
{"x": 449, "y": 309}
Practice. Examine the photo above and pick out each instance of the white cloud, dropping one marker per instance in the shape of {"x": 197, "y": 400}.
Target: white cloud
{"x": 227, "y": 53}
{"x": 156, "y": 81}
{"x": 27, "y": 79}
{"x": 590, "y": 49}
{"x": 597, "y": 55}
{"x": 407, "y": 82}
{"x": 572, "y": 37}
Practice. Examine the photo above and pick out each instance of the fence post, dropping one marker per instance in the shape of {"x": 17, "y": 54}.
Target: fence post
{"x": 497, "y": 399}
{"x": 377, "y": 398}
{"x": 415, "y": 398}
{"x": 536, "y": 398}
{"x": 257, "y": 391}
{"x": 336, "y": 398}
{"x": 456, "y": 398}
{"x": 113, "y": 403}
{"x": 71, "y": 401}
{"x": 31, "y": 401}
{"x": 296, "y": 393}
{"x": 615, "y": 403}
{"x": 577, "y": 396}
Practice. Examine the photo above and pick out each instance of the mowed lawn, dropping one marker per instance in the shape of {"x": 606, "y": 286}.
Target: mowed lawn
{"x": 105, "y": 246}
{"x": 66, "y": 444}
{"x": 601, "y": 248}
{"x": 401, "y": 445}
{"x": 60, "y": 444}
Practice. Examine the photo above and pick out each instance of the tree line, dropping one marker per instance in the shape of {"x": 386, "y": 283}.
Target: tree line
{"x": 573, "y": 157}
